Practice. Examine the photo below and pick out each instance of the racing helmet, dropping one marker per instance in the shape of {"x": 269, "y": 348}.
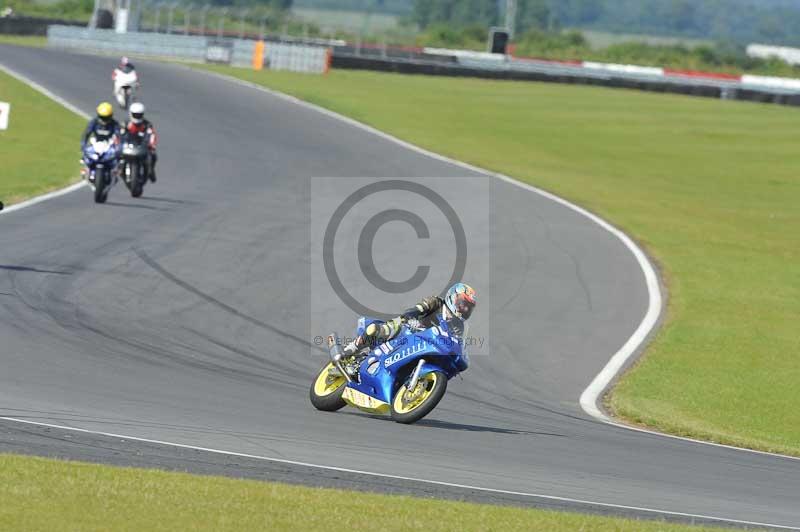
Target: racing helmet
{"x": 136, "y": 112}
{"x": 124, "y": 61}
{"x": 460, "y": 300}
{"x": 105, "y": 112}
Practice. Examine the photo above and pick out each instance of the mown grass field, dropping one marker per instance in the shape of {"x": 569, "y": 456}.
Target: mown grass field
{"x": 39, "y": 151}
{"x": 41, "y": 494}
{"x": 710, "y": 188}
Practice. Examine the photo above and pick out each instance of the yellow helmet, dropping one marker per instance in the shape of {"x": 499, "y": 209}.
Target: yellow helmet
{"x": 105, "y": 110}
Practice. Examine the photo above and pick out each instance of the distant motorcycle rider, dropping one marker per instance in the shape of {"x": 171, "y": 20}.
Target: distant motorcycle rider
{"x": 137, "y": 124}
{"x": 124, "y": 74}
{"x": 455, "y": 308}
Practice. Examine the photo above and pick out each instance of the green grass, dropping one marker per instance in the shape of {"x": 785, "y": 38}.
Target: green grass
{"x": 711, "y": 188}
{"x": 35, "y": 41}
{"x": 39, "y": 151}
{"x": 44, "y": 494}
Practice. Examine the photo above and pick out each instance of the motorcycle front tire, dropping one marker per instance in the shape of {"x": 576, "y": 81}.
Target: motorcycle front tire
{"x": 137, "y": 183}
{"x": 100, "y": 186}
{"x": 433, "y": 386}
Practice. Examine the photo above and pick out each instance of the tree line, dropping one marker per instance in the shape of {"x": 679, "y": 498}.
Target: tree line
{"x": 743, "y": 21}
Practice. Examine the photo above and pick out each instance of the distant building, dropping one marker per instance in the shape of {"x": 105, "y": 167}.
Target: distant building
{"x": 763, "y": 51}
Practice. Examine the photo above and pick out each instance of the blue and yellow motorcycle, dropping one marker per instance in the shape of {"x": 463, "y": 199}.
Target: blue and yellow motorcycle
{"x": 405, "y": 377}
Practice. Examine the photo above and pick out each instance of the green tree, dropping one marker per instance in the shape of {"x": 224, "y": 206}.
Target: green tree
{"x": 532, "y": 14}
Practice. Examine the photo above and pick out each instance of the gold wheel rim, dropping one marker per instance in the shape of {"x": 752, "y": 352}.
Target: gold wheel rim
{"x": 406, "y": 401}
{"x": 326, "y": 383}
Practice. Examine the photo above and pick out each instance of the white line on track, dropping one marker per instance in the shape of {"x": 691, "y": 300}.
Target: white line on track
{"x": 653, "y": 511}
{"x": 64, "y": 103}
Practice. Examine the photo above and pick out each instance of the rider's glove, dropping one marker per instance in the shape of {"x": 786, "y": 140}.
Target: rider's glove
{"x": 412, "y": 323}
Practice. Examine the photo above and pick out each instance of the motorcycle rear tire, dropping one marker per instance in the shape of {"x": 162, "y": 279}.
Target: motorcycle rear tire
{"x": 326, "y": 393}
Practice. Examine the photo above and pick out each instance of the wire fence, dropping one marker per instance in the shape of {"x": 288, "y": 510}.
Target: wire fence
{"x": 175, "y": 18}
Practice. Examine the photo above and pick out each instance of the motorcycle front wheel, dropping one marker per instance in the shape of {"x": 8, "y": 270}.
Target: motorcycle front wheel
{"x": 409, "y": 406}
{"x": 137, "y": 182}
{"x": 326, "y": 390}
{"x": 100, "y": 184}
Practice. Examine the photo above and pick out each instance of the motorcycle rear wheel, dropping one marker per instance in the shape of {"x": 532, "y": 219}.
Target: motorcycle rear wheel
{"x": 326, "y": 390}
{"x": 409, "y": 406}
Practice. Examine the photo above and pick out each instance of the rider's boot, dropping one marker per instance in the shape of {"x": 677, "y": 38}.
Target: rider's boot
{"x": 152, "y": 174}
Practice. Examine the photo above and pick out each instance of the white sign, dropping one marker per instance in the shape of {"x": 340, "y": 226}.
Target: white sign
{"x": 5, "y": 109}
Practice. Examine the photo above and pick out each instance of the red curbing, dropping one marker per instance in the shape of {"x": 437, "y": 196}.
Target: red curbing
{"x": 701, "y": 74}
{"x": 567, "y": 62}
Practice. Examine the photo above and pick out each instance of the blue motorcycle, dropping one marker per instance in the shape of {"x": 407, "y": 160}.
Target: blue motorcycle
{"x": 100, "y": 157}
{"x": 405, "y": 377}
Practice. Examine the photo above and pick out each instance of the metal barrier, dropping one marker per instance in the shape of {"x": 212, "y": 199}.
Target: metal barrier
{"x": 236, "y": 52}
{"x": 295, "y": 57}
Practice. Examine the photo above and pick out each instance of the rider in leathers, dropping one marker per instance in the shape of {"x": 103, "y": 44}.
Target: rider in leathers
{"x": 137, "y": 124}
{"x": 102, "y": 127}
{"x": 459, "y": 301}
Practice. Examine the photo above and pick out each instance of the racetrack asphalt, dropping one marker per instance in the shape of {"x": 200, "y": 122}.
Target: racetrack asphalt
{"x": 181, "y": 317}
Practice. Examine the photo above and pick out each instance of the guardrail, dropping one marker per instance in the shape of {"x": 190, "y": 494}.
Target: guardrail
{"x": 496, "y": 66}
{"x": 235, "y": 52}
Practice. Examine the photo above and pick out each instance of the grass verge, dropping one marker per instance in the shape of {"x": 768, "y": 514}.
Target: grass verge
{"x": 39, "y": 150}
{"x": 711, "y": 188}
{"x": 45, "y": 494}
{"x": 35, "y": 41}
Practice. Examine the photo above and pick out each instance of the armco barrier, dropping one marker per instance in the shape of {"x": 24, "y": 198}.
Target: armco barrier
{"x": 236, "y": 52}
{"x": 186, "y": 47}
{"x": 548, "y": 71}
{"x": 296, "y": 57}
{"x": 31, "y": 25}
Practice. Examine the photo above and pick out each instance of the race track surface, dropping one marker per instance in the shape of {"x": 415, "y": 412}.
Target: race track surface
{"x": 181, "y": 317}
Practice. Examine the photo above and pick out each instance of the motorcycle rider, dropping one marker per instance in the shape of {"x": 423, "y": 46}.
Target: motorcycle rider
{"x": 458, "y": 302}
{"x": 102, "y": 127}
{"x": 125, "y": 70}
{"x": 137, "y": 124}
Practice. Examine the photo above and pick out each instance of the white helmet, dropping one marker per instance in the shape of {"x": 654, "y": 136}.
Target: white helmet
{"x": 137, "y": 112}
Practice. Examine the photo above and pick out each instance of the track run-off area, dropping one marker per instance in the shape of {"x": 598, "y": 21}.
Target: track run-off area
{"x": 180, "y": 318}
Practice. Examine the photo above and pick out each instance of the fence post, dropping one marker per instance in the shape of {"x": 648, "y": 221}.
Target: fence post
{"x": 221, "y": 23}
{"x": 170, "y": 13}
{"x": 203, "y": 13}
{"x": 157, "y": 23}
{"x": 243, "y": 15}
{"x": 187, "y": 18}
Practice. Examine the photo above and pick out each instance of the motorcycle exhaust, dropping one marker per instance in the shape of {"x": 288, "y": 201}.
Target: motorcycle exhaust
{"x": 336, "y": 353}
